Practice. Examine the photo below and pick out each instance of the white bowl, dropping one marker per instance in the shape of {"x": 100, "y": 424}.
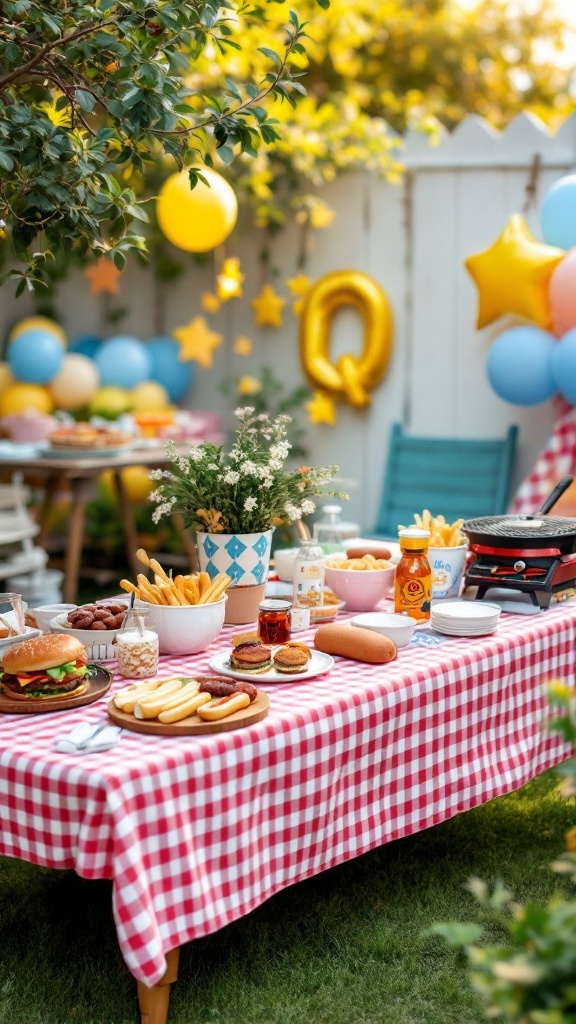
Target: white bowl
{"x": 186, "y": 629}
{"x": 44, "y": 613}
{"x": 99, "y": 643}
{"x": 398, "y": 628}
{"x": 361, "y": 589}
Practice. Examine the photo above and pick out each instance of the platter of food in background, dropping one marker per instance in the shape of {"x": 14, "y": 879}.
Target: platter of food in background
{"x": 188, "y": 706}
{"x": 271, "y": 664}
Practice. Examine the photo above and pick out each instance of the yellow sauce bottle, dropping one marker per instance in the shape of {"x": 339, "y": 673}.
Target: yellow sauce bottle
{"x": 413, "y": 584}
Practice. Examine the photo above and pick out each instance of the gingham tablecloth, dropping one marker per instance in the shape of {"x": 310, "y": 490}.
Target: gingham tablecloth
{"x": 197, "y": 831}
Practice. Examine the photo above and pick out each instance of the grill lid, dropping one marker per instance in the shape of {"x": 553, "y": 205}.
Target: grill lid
{"x": 522, "y": 528}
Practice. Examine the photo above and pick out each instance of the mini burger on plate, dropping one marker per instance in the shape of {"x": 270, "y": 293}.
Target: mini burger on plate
{"x": 44, "y": 668}
{"x": 252, "y": 657}
{"x": 292, "y": 657}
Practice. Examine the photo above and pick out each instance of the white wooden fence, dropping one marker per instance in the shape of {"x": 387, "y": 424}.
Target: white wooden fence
{"x": 413, "y": 238}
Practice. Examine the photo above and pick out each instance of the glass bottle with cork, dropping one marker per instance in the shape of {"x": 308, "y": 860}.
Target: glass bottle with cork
{"x": 309, "y": 576}
{"x": 413, "y": 583}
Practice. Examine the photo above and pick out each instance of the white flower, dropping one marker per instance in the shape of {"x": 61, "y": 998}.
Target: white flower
{"x": 292, "y": 511}
{"x": 280, "y": 450}
{"x": 213, "y": 467}
{"x": 308, "y": 507}
{"x": 155, "y": 474}
{"x": 183, "y": 464}
{"x": 196, "y": 454}
{"x": 250, "y": 503}
{"x": 249, "y": 468}
{"x": 231, "y": 476}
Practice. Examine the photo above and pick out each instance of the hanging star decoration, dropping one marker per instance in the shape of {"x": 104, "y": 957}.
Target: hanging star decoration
{"x": 103, "y": 276}
{"x": 229, "y": 280}
{"x": 210, "y": 302}
{"x": 242, "y": 346}
{"x": 268, "y": 307}
{"x": 197, "y": 342}
{"x": 321, "y": 409}
{"x": 248, "y": 385}
{"x": 298, "y": 286}
{"x": 513, "y": 274}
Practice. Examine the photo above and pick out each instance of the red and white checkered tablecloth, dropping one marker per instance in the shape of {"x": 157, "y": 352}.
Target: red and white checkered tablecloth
{"x": 197, "y": 831}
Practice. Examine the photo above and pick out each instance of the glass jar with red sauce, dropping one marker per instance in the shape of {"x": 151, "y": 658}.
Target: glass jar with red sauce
{"x": 274, "y": 621}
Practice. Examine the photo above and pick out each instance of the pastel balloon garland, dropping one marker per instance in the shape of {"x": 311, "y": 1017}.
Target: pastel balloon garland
{"x": 536, "y": 282}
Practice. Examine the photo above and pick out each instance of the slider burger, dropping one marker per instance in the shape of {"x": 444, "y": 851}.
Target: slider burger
{"x": 292, "y": 657}
{"x": 53, "y": 665}
{"x": 252, "y": 657}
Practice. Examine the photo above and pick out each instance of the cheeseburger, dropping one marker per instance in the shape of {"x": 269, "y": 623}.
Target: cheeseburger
{"x": 45, "y": 667}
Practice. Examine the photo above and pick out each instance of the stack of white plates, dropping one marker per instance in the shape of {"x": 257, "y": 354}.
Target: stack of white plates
{"x": 464, "y": 618}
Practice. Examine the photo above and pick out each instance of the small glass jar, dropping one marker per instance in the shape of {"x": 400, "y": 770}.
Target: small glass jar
{"x": 137, "y": 648}
{"x": 274, "y": 621}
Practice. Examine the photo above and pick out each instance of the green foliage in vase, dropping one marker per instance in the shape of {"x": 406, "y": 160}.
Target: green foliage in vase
{"x": 530, "y": 976}
{"x": 91, "y": 91}
{"x": 245, "y": 490}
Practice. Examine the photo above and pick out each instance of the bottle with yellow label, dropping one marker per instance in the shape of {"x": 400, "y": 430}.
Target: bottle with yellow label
{"x": 413, "y": 584}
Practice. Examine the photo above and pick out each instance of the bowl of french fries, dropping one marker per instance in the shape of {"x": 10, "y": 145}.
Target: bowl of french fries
{"x": 186, "y": 610}
{"x": 360, "y": 582}
{"x": 446, "y": 553}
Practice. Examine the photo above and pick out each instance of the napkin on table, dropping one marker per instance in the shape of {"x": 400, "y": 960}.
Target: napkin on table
{"x": 83, "y": 739}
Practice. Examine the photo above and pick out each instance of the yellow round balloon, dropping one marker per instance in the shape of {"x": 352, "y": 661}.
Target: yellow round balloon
{"x": 6, "y": 376}
{"x": 109, "y": 401}
{"x": 352, "y": 376}
{"x": 198, "y": 219}
{"x": 30, "y": 323}
{"x": 20, "y": 397}
{"x": 149, "y": 396}
{"x": 135, "y": 481}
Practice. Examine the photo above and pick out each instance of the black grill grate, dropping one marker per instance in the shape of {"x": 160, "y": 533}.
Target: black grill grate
{"x": 509, "y": 526}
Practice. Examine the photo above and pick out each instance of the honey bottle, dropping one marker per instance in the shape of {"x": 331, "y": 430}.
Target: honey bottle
{"x": 413, "y": 583}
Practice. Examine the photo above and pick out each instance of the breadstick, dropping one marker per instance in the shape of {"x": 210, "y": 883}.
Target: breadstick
{"x": 215, "y": 591}
{"x": 131, "y": 588}
{"x": 224, "y": 707}
{"x": 165, "y": 689}
{"x": 191, "y": 591}
{"x": 135, "y": 691}
{"x": 204, "y": 582}
{"x": 151, "y": 708}
{"x": 186, "y": 709}
{"x": 147, "y": 589}
{"x": 142, "y": 556}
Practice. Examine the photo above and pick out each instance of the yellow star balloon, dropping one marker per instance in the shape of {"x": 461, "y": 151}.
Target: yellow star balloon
{"x": 512, "y": 276}
{"x": 242, "y": 345}
{"x": 321, "y": 409}
{"x": 104, "y": 277}
{"x": 197, "y": 342}
{"x": 299, "y": 284}
{"x": 268, "y": 307}
{"x": 209, "y": 302}
{"x": 229, "y": 280}
{"x": 248, "y": 386}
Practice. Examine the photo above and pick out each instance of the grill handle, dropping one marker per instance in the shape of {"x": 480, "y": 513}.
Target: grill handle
{"x": 552, "y": 498}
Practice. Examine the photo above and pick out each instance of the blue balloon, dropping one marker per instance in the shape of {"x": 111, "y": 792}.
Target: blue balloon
{"x": 123, "y": 362}
{"x": 175, "y": 376}
{"x": 558, "y": 213}
{"x": 564, "y": 366}
{"x": 86, "y": 345}
{"x": 519, "y": 365}
{"x": 35, "y": 356}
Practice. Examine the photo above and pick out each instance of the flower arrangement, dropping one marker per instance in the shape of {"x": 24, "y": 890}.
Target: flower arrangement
{"x": 246, "y": 490}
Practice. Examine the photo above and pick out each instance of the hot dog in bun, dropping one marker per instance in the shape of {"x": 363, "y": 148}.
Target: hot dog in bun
{"x": 53, "y": 665}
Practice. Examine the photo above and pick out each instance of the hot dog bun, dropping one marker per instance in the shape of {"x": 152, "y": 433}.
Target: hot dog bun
{"x": 343, "y": 640}
{"x": 377, "y": 550}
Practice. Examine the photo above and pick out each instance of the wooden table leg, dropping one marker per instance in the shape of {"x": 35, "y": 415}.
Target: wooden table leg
{"x": 50, "y": 493}
{"x": 80, "y": 490}
{"x": 130, "y": 535}
{"x": 154, "y": 1001}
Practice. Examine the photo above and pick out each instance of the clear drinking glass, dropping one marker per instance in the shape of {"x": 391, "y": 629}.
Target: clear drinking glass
{"x": 12, "y": 603}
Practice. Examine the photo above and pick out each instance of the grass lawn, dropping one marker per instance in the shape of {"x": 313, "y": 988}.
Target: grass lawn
{"x": 347, "y": 947}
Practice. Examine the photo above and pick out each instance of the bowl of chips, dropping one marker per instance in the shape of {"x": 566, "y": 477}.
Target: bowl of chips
{"x": 361, "y": 582}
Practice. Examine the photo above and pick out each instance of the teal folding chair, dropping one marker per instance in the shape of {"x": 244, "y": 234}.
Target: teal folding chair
{"x": 456, "y": 478}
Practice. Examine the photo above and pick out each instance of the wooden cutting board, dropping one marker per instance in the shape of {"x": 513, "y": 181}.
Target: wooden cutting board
{"x": 193, "y": 726}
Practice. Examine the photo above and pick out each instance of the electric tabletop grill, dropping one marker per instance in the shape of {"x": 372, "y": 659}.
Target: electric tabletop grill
{"x": 527, "y": 553}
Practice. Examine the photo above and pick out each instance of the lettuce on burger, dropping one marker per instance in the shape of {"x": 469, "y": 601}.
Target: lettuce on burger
{"x": 45, "y": 667}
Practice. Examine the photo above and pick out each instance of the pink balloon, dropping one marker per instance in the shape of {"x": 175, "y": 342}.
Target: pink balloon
{"x": 562, "y": 294}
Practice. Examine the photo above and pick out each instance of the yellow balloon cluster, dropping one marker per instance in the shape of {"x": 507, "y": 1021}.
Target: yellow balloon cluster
{"x": 352, "y": 376}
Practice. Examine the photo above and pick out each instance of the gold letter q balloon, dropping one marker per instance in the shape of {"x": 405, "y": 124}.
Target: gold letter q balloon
{"x": 198, "y": 219}
{"x": 352, "y": 376}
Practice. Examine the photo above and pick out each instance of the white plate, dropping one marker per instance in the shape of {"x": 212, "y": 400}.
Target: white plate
{"x": 10, "y": 641}
{"x": 47, "y": 452}
{"x": 319, "y": 663}
{"x": 469, "y": 611}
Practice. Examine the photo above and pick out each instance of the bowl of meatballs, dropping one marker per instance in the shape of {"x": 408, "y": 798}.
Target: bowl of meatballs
{"x": 95, "y": 625}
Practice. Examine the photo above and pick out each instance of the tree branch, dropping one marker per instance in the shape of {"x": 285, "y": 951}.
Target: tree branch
{"x": 13, "y": 76}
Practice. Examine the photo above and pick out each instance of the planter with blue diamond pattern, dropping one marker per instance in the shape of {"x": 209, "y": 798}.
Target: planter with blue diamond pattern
{"x": 243, "y": 556}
